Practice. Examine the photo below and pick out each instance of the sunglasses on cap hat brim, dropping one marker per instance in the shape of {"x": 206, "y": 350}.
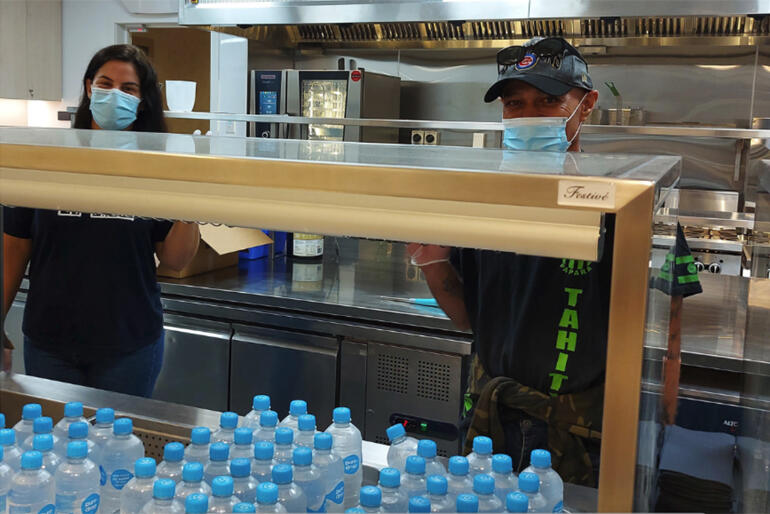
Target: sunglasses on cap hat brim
{"x": 545, "y": 48}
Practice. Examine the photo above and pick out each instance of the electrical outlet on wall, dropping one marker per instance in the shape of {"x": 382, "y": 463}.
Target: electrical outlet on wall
{"x": 431, "y": 137}
{"x": 418, "y": 137}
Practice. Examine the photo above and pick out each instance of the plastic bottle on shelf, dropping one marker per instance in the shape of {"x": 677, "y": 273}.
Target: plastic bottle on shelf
{"x": 173, "y": 462}
{"x": 42, "y": 425}
{"x": 347, "y": 444}
{"x": 480, "y": 460}
{"x": 267, "y": 498}
{"x": 284, "y": 445}
{"x": 219, "y": 462}
{"x": 25, "y": 427}
{"x": 259, "y": 404}
{"x": 77, "y": 482}
{"x": 370, "y": 499}
{"x": 290, "y": 495}
{"x": 419, "y": 504}
{"x": 502, "y": 472}
{"x": 195, "y": 503}
{"x": 192, "y": 482}
{"x": 484, "y": 489}
{"x": 6, "y": 478}
{"x": 138, "y": 491}
{"x": 516, "y": 502}
{"x": 32, "y": 488}
{"x": 467, "y": 502}
{"x": 551, "y": 485}
{"x": 163, "y": 498}
{"x": 244, "y": 485}
{"x": 78, "y": 431}
{"x": 308, "y": 478}
{"x": 11, "y": 451}
{"x": 427, "y": 450}
{"x": 458, "y": 479}
{"x": 437, "y": 494}
{"x": 228, "y": 422}
{"x": 43, "y": 443}
{"x": 296, "y": 409}
{"x": 244, "y": 507}
{"x": 73, "y": 412}
{"x": 305, "y": 431}
{"x": 118, "y": 461}
{"x": 393, "y": 498}
{"x": 268, "y": 422}
{"x": 262, "y": 465}
{"x": 243, "y": 445}
{"x": 102, "y": 429}
{"x": 222, "y": 498}
{"x": 413, "y": 481}
{"x": 198, "y": 449}
{"x": 529, "y": 484}
{"x": 332, "y": 472}
{"x": 401, "y": 447}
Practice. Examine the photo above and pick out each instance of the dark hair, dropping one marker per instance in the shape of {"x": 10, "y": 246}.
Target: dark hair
{"x": 149, "y": 118}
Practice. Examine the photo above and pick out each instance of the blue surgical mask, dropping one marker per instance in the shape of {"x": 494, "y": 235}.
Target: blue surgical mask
{"x": 546, "y": 134}
{"x": 113, "y": 109}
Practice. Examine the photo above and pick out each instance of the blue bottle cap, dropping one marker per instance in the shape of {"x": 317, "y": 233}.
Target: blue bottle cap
{"x": 260, "y": 402}
{"x": 263, "y": 450}
{"x": 341, "y": 415}
{"x": 483, "y": 484}
{"x": 371, "y": 496}
{"x": 268, "y": 418}
{"x": 244, "y": 507}
{"x": 395, "y": 431}
{"x": 123, "y": 426}
{"x": 222, "y": 486}
{"x": 42, "y": 425}
{"x": 192, "y": 472}
{"x": 144, "y": 467}
{"x": 458, "y": 465}
{"x": 390, "y": 477}
{"x": 437, "y": 484}
{"x": 7, "y": 436}
{"x": 200, "y": 435}
{"x": 355, "y": 510}
{"x": 415, "y": 465}
{"x": 228, "y": 420}
{"x": 219, "y": 452}
{"x": 298, "y": 407}
{"x": 240, "y": 468}
{"x": 31, "y": 411}
{"x": 42, "y": 442}
{"x": 105, "y": 415}
{"x": 32, "y": 460}
{"x": 284, "y": 435}
{"x": 163, "y": 489}
{"x": 2, "y": 420}
{"x": 467, "y": 503}
{"x": 173, "y": 452}
{"x": 322, "y": 441}
{"x": 419, "y": 504}
{"x": 77, "y": 449}
{"x": 78, "y": 430}
{"x": 540, "y": 458}
{"x": 267, "y": 493}
{"x": 517, "y": 502}
{"x": 73, "y": 410}
{"x": 243, "y": 435}
{"x": 482, "y": 445}
{"x": 306, "y": 422}
{"x": 426, "y": 448}
{"x": 282, "y": 474}
{"x": 196, "y": 503}
{"x": 303, "y": 456}
{"x": 502, "y": 463}
{"x": 529, "y": 482}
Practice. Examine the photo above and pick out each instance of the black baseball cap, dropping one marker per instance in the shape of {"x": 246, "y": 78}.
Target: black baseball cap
{"x": 551, "y": 65}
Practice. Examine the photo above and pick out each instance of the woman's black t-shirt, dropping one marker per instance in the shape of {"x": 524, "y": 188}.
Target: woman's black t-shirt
{"x": 92, "y": 279}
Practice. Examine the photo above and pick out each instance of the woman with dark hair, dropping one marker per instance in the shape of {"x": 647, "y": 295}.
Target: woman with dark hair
{"x": 93, "y": 314}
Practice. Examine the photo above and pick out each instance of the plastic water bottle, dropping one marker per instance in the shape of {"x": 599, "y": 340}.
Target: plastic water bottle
{"x": 138, "y": 491}
{"x": 346, "y": 443}
{"x": 10, "y": 450}
{"x": 529, "y": 484}
{"x": 118, "y": 459}
{"x": 437, "y": 494}
{"x": 78, "y": 431}
{"x": 267, "y": 498}
{"x": 551, "y": 485}
{"x": 73, "y": 412}
{"x": 401, "y": 447}
{"x": 296, "y": 409}
{"x": 427, "y": 450}
{"x": 219, "y": 462}
{"x": 228, "y": 422}
{"x": 198, "y": 449}
{"x": 516, "y": 502}
{"x": 308, "y": 478}
{"x": 268, "y": 422}
{"x": 196, "y": 503}
{"x": 502, "y": 472}
{"x": 306, "y": 431}
{"x": 77, "y": 482}
{"x": 102, "y": 429}
{"x": 163, "y": 498}
{"x": 284, "y": 445}
{"x": 172, "y": 465}
{"x": 259, "y": 404}
{"x": 484, "y": 489}
{"x": 393, "y": 498}
{"x": 6, "y": 477}
{"x": 242, "y": 447}
{"x": 32, "y": 488}
{"x": 290, "y": 495}
{"x": 192, "y": 482}
{"x": 43, "y": 443}
{"x": 467, "y": 503}
{"x": 332, "y": 472}
{"x": 370, "y": 499}
{"x": 222, "y": 499}
{"x": 419, "y": 504}
{"x": 480, "y": 460}
{"x": 244, "y": 507}
{"x": 42, "y": 425}
{"x": 458, "y": 480}
{"x": 25, "y": 427}
{"x": 413, "y": 482}
{"x": 244, "y": 485}
{"x": 262, "y": 465}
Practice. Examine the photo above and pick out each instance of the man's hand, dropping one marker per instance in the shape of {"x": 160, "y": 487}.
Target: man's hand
{"x": 425, "y": 255}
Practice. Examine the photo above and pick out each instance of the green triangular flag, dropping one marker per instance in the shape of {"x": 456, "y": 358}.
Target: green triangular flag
{"x": 678, "y": 276}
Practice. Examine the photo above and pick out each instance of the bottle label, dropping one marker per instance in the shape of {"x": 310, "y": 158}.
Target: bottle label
{"x": 352, "y": 462}
{"x": 338, "y": 494}
{"x": 120, "y": 478}
{"x": 308, "y": 245}
{"x": 102, "y": 476}
{"x": 90, "y": 505}
{"x": 559, "y": 507}
{"x": 48, "y": 509}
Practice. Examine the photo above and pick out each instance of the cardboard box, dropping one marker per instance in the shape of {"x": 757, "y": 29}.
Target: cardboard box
{"x": 218, "y": 249}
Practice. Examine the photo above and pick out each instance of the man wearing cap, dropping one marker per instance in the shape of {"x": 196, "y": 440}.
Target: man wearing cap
{"x": 539, "y": 324}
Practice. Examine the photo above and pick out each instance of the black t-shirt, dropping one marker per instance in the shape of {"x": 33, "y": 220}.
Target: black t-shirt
{"x": 92, "y": 281}
{"x": 541, "y": 321}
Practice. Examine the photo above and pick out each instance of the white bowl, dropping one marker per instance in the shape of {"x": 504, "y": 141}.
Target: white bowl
{"x": 180, "y": 95}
